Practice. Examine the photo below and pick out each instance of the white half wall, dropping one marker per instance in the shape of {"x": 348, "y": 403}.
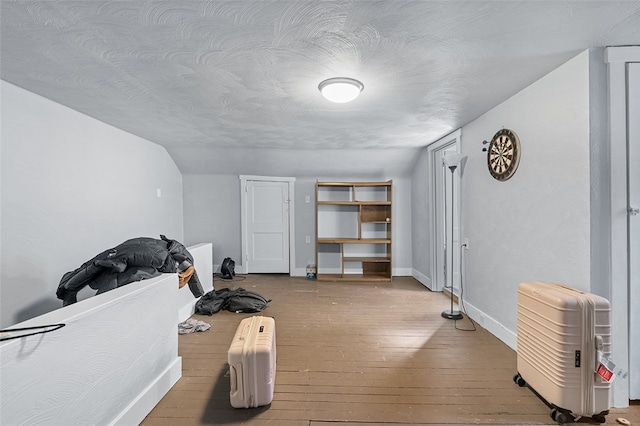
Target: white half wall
{"x": 112, "y": 362}
{"x": 72, "y": 187}
{"x": 536, "y": 225}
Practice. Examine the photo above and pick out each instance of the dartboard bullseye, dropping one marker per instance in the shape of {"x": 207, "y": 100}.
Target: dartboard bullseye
{"x": 503, "y": 154}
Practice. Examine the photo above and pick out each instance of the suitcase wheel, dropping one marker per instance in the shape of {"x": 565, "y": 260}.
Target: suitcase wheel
{"x": 561, "y": 417}
{"x": 519, "y": 380}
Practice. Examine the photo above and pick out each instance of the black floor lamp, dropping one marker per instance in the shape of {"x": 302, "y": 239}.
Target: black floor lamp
{"x": 452, "y": 161}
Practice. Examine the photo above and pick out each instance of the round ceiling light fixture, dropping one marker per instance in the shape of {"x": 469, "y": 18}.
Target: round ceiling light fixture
{"x": 340, "y": 89}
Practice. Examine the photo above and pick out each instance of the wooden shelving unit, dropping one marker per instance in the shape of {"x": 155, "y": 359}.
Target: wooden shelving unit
{"x": 353, "y": 231}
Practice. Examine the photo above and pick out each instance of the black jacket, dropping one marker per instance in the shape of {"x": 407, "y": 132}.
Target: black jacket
{"x": 134, "y": 260}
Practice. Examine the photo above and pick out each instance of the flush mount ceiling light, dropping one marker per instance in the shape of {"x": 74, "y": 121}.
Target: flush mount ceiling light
{"x": 340, "y": 89}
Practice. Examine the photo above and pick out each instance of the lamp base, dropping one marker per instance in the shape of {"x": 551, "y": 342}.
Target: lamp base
{"x": 456, "y": 315}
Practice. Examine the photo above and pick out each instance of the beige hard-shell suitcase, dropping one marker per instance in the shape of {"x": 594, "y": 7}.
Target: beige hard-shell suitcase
{"x": 562, "y": 334}
{"x": 252, "y": 362}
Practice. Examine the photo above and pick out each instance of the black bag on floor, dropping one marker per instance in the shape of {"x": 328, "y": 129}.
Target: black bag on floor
{"x": 238, "y": 300}
{"x": 246, "y": 301}
{"x": 213, "y": 301}
{"x": 228, "y": 268}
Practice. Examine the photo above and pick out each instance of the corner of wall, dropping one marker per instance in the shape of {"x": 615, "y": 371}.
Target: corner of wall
{"x": 422, "y": 278}
{"x": 493, "y": 326}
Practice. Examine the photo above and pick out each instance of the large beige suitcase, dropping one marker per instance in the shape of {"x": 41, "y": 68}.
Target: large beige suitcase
{"x": 252, "y": 362}
{"x": 562, "y": 335}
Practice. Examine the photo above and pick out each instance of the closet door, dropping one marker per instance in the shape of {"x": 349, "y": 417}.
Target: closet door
{"x": 267, "y": 227}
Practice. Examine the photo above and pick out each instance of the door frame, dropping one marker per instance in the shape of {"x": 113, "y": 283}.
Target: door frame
{"x": 434, "y": 166}
{"x": 633, "y": 173}
{"x": 243, "y": 215}
{"x": 616, "y": 59}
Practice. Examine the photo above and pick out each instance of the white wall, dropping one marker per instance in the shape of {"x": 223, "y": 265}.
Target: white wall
{"x": 72, "y": 187}
{"x": 401, "y": 231}
{"x": 600, "y": 175}
{"x": 535, "y": 226}
{"x": 212, "y": 213}
{"x": 111, "y": 363}
{"x": 421, "y": 219}
{"x": 305, "y": 223}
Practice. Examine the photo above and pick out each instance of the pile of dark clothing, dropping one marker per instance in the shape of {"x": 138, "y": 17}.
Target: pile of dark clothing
{"x": 134, "y": 260}
{"x": 238, "y": 301}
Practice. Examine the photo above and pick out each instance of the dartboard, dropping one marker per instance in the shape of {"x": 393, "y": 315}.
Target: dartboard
{"x": 503, "y": 154}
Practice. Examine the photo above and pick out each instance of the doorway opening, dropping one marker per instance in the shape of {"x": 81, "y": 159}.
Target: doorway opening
{"x": 445, "y": 258}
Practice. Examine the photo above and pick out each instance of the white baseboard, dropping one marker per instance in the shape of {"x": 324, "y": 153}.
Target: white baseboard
{"x": 185, "y": 311}
{"x": 299, "y": 272}
{"x": 397, "y": 272}
{"x": 141, "y": 406}
{"x": 402, "y": 272}
{"x": 507, "y": 336}
{"x": 239, "y": 269}
{"x": 422, "y": 278}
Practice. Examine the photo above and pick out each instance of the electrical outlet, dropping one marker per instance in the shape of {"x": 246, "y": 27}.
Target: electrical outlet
{"x": 307, "y": 239}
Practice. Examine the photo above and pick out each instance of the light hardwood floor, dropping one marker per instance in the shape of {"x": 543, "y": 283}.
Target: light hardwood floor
{"x": 357, "y": 354}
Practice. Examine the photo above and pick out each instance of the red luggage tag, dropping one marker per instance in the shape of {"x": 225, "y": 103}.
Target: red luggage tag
{"x": 605, "y": 368}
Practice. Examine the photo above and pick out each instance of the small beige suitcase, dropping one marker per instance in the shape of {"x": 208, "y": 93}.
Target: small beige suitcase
{"x": 562, "y": 335}
{"x": 252, "y": 362}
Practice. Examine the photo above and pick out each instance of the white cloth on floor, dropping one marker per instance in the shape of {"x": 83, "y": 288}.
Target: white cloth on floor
{"x": 191, "y": 325}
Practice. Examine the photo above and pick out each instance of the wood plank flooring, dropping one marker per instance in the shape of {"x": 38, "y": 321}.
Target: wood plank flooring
{"x": 357, "y": 354}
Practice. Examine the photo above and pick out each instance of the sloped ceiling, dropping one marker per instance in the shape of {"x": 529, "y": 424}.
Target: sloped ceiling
{"x": 231, "y": 86}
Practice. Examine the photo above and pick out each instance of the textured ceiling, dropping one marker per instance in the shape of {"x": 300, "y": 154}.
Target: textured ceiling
{"x": 231, "y": 86}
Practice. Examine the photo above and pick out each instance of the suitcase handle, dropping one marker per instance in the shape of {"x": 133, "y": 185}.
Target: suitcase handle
{"x": 599, "y": 345}
{"x": 234, "y": 380}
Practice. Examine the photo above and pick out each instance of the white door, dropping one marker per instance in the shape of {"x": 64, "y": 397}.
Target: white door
{"x": 267, "y": 216}
{"x": 634, "y": 228}
{"x": 444, "y": 239}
